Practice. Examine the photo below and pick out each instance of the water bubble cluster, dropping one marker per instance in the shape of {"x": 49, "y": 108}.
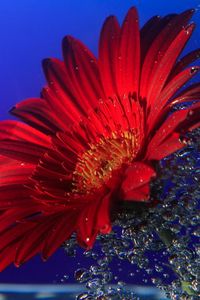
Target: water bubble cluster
{"x": 159, "y": 244}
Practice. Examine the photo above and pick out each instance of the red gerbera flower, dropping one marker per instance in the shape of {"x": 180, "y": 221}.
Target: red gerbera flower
{"x": 92, "y": 139}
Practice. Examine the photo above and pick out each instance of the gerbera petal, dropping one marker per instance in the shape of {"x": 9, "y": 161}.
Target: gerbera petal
{"x": 62, "y": 88}
{"x": 128, "y": 71}
{"x": 158, "y": 48}
{"x": 172, "y": 144}
{"x": 12, "y": 234}
{"x": 108, "y": 54}
{"x": 33, "y": 241}
{"x": 94, "y": 219}
{"x": 103, "y": 222}
{"x": 174, "y": 85}
{"x": 136, "y": 183}
{"x": 15, "y": 130}
{"x": 169, "y": 133}
{"x": 86, "y": 234}
{"x": 7, "y": 256}
{"x": 9, "y": 217}
{"x": 14, "y": 172}
{"x": 14, "y": 179}
{"x": 13, "y": 196}
{"x": 83, "y": 71}
{"x": 63, "y": 106}
{"x": 22, "y": 151}
{"x": 38, "y": 114}
{"x": 9, "y": 241}
{"x": 22, "y": 142}
{"x": 171, "y": 88}
{"x": 191, "y": 90}
{"x": 184, "y": 62}
{"x": 162, "y": 70}
{"x": 192, "y": 121}
{"x": 62, "y": 230}
{"x": 140, "y": 194}
{"x": 150, "y": 30}
{"x": 167, "y": 128}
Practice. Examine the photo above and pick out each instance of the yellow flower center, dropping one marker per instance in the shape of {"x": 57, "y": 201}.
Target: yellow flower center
{"x": 95, "y": 166}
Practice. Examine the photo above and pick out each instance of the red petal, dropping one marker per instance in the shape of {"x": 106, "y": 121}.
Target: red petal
{"x": 9, "y": 241}
{"x": 184, "y": 62}
{"x": 108, "y": 54}
{"x": 168, "y": 134}
{"x": 159, "y": 47}
{"x": 64, "y": 107}
{"x": 14, "y": 172}
{"x": 7, "y": 256}
{"x": 150, "y": 31}
{"x": 14, "y": 130}
{"x": 136, "y": 184}
{"x": 61, "y": 90}
{"x": 168, "y": 147}
{"x": 33, "y": 241}
{"x": 129, "y": 55}
{"x": 22, "y": 142}
{"x": 14, "y": 195}
{"x": 103, "y": 224}
{"x": 192, "y": 121}
{"x": 94, "y": 219}
{"x": 13, "y": 234}
{"x": 138, "y": 194}
{"x": 62, "y": 231}
{"x": 167, "y": 128}
{"x": 83, "y": 71}
{"x": 22, "y": 151}
{"x": 175, "y": 84}
{"x": 38, "y": 114}
{"x": 172, "y": 87}
{"x": 191, "y": 90}
{"x": 13, "y": 178}
{"x": 9, "y": 217}
{"x": 164, "y": 66}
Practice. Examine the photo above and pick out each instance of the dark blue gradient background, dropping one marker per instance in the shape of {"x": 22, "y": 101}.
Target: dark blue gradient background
{"x": 31, "y": 30}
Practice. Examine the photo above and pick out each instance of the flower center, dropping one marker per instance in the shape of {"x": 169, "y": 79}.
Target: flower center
{"x": 95, "y": 166}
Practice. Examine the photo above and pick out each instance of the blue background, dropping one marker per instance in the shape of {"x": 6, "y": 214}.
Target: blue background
{"x": 31, "y": 30}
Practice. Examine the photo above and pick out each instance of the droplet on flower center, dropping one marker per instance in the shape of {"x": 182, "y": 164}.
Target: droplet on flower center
{"x": 95, "y": 166}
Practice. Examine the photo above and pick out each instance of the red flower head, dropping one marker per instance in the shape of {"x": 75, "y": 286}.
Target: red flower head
{"x": 92, "y": 140}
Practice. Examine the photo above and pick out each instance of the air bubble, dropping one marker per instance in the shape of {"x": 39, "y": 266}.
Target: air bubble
{"x": 82, "y": 275}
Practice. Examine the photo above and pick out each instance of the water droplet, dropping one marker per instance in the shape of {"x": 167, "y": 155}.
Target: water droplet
{"x": 193, "y": 70}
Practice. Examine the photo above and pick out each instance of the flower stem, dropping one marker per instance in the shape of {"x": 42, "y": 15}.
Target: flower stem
{"x": 186, "y": 286}
{"x": 167, "y": 236}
